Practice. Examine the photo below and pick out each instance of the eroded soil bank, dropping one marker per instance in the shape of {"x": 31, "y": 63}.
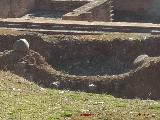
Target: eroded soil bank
{"x": 92, "y": 66}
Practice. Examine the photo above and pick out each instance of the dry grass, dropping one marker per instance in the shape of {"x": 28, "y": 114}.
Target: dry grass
{"x": 103, "y": 37}
{"x": 107, "y": 36}
{"x": 4, "y": 31}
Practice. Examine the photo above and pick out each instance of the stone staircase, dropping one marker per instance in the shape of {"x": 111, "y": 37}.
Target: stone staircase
{"x": 97, "y": 10}
{"x": 111, "y": 11}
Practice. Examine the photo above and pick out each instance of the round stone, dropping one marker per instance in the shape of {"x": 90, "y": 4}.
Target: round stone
{"x": 21, "y": 45}
{"x": 140, "y": 59}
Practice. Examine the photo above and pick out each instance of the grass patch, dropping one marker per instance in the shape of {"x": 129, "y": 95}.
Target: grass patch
{"x": 4, "y": 31}
{"x": 103, "y": 37}
{"x": 23, "y": 100}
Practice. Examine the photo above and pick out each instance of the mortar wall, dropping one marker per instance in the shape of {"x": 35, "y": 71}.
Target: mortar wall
{"x": 132, "y": 5}
{"x": 102, "y": 13}
{"x": 155, "y": 8}
{"x": 4, "y": 8}
{"x": 150, "y": 8}
{"x": 15, "y": 8}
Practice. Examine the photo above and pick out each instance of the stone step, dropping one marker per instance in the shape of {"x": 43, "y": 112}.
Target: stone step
{"x": 85, "y": 8}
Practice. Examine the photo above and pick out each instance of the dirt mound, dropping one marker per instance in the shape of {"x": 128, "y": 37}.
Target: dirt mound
{"x": 145, "y": 79}
{"x": 24, "y": 63}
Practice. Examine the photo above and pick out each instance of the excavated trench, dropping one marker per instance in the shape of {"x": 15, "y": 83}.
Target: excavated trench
{"x": 90, "y": 58}
{"x": 91, "y": 66}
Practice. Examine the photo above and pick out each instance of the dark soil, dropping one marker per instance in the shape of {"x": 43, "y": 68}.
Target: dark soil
{"x": 45, "y": 14}
{"x": 140, "y": 16}
{"x": 75, "y": 64}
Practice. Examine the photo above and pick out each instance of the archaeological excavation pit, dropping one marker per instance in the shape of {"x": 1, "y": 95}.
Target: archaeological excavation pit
{"x": 91, "y": 58}
{"x": 99, "y": 58}
{"x": 98, "y": 66}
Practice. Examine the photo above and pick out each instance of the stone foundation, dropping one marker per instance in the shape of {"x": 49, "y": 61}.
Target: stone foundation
{"x": 86, "y": 10}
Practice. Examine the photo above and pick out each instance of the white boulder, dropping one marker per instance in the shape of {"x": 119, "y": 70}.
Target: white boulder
{"x": 140, "y": 59}
{"x": 21, "y": 45}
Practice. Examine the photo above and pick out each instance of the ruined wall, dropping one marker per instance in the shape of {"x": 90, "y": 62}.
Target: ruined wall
{"x": 132, "y": 5}
{"x": 21, "y": 7}
{"x": 146, "y": 9}
{"x": 15, "y": 8}
{"x": 4, "y": 8}
{"x": 151, "y": 7}
{"x": 155, "y": 8}
{"x": 102, "y": 13}
{"x": 137, "y": 10}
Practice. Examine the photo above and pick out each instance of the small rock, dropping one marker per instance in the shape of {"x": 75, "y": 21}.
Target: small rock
{"x": 140, "y": 59}
{"x": 55, "y": 84}
{"x": 131, "y": 38}
{"x": 14, "y": 89}
{"x": 21, "y": 45}
{"x": 92, "y": 87}
{"x": 61, "y": 92}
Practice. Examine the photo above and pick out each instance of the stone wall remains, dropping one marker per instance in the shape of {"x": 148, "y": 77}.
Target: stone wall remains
{"x": 150, "y": 7}
{"x": 154, "y": 11}
{"x": 5, "y": 8}
{"x": 15, "y": 8}
{"x": 18, "y": 8}
{"x": 132, "y": 5}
